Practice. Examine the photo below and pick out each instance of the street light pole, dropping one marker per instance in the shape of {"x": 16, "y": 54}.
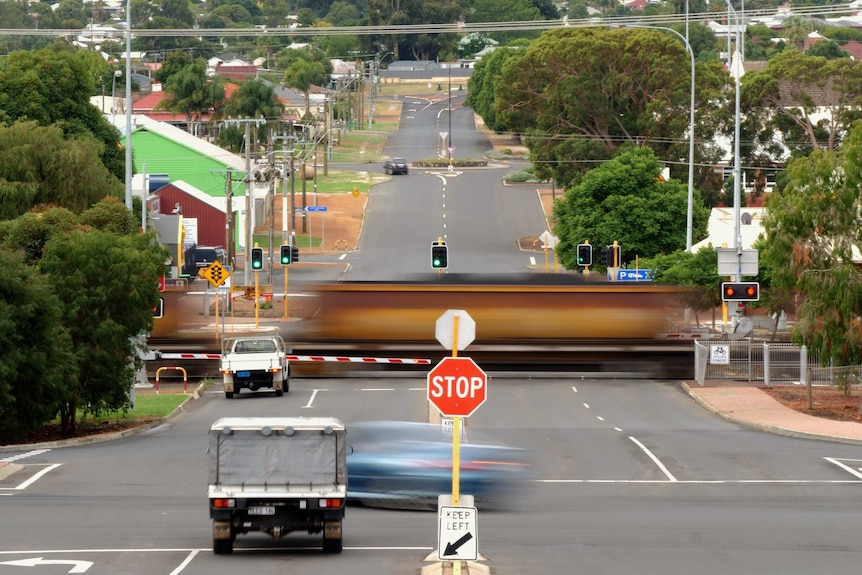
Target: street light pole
{"x": 117, "y": 74}
{"x": 449, "y": 147}
{"x": 689, "y": 209}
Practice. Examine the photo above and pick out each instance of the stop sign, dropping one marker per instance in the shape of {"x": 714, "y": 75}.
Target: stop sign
{"x": 457, "y": 386}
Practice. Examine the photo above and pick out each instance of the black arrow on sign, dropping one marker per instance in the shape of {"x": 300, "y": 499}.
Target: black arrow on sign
{"x": 452, "y": 548}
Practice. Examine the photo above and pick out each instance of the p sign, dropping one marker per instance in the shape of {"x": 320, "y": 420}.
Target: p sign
{"x": 457, "y": 386}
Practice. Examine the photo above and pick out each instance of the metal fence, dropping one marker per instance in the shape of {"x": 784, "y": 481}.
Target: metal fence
{"x": 772, "y": 364}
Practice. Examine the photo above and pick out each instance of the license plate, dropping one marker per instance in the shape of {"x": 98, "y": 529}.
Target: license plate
{"x": 262, "y": 510}
{"x": 243, "y": 373}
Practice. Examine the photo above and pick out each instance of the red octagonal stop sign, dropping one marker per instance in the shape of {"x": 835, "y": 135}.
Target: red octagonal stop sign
{"x": 457, "y": 386}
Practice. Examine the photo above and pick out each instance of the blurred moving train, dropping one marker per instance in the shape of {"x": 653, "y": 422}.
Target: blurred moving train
{"x": 536, "y": 320}
{"x": 531, "y": 308}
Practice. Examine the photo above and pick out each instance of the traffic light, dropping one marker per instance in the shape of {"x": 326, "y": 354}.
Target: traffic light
{"x": 159, "y": 310}
{"x": 439, "y": 256}
{"x": 294, "y": 254}
{"x": 257, "y": 258}
{"x": 740, "y": 291}
{"x": 286, "y": 255}
{"x": 606, "y": 254}
{"x": 585, "y": 255}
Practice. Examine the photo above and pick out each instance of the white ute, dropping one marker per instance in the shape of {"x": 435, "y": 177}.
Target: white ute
{"x": 277, "y": 475}
{"x": 254, "y": 362}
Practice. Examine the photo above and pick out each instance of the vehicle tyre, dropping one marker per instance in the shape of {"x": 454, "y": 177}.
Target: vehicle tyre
{"x": 228, "y": 394}
{"x": 222, "y": 546}
{"x": 332, "y": 545}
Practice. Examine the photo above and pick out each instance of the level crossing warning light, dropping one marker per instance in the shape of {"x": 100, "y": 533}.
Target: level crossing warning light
{"x": 740, "y": 291}
{"x": 439, "y": 256}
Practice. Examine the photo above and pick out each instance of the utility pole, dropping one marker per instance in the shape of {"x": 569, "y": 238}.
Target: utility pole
{"x": 249, "y": 190}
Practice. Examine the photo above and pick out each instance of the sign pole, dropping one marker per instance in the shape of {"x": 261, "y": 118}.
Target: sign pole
{"x": 285, "y": 290}
{"x": 456, "y": 436}
{"x": 256, "y": 301}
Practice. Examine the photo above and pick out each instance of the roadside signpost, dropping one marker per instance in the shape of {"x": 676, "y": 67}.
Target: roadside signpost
{"x": 634, "y": 275}
{"x": 457, "y": 534}
{"x": 456, "y": 387}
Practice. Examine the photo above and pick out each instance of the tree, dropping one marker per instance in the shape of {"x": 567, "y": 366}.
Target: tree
{"x": 301, "y": 75}
{"x": 39, "y": 166}
{"x": 698, "y": 272}
{"x": 505, "y": 11}
{"x": 625, "y": 200}
{"x": 190, "y": 92}
{"x": 482, "y": 86}
{"x": 107, "y": 300}
{"x": 788, "y": 97}
{"x": 36, "y": 365}
{"x": 581, "y": 93}
{"x": 812, "y": 229}
{"x": 53, "y": 86}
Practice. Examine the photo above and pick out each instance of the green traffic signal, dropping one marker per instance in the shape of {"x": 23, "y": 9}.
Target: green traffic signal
{"x": 257, "y": 258}
{"x": 286, "y": 254}
{"x": 439, "y": 257}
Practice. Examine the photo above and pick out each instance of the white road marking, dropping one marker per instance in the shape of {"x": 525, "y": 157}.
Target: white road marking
{"x": 847, "y": 468}
{"x": 311, "y": 399}
{"x": 185, "y": 562}
{"x": 655, "y": 459}
{"x": 587, "y": 405}
{"x": 19, "y": 456}
{"x": 32, "y": 480}
{"x": 709, "y": 481}
{"x": 600, "y": 418}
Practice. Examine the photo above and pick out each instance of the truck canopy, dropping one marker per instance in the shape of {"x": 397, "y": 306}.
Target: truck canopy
{"x": 278, "y": 452}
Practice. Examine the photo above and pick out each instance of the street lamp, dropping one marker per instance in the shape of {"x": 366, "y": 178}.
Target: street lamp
{"x": 117, "y": 74}
{"x": 689, "y": 210}
{"x": 449, "y": 114}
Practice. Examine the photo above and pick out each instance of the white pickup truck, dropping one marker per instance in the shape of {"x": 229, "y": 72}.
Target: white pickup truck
{"x": 253, "y": 363}
{"x": 277, "y": 475}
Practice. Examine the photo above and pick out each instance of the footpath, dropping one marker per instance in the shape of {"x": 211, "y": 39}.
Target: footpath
{"x": 753, "y": 407}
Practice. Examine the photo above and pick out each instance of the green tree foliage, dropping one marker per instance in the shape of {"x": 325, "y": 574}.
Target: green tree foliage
{"x": 812, "y": 228}
{"x": 190, "y": 92}
{"x": 31, "y": 232}
{"x": 696, "y": 271}
{"x": 53, "y": 86}
{"x": 106, "y": 284}
{"x": 39, "y": 166}
{"x": 505, "y": 11}
{"x": 36, "y": 366}
{"x": 624, "y": 200}
{"x": 483, "y": 85}
{"x": 582, "y": 93}
{"x": 301, "y": 75}
{"x": 827, "y": 49}
{"x": 255, "y": 99}
{"x": 788, "y": 96}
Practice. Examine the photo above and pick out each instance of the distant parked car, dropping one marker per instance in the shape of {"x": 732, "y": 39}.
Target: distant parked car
{"x": 406, "y": 465}
{"x": 395, "y": 166}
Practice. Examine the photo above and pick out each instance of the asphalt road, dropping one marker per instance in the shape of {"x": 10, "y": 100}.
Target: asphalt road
{"x": 634, "y": 477}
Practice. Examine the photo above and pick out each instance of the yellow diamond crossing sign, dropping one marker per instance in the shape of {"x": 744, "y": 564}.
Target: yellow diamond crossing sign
{"x": 216, "y": 274}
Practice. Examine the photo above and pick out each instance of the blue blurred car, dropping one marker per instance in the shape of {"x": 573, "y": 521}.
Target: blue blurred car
{"x": 407, "y": 465}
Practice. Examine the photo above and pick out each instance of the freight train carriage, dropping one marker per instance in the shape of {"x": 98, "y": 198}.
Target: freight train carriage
{"x": 531, "y": 308}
